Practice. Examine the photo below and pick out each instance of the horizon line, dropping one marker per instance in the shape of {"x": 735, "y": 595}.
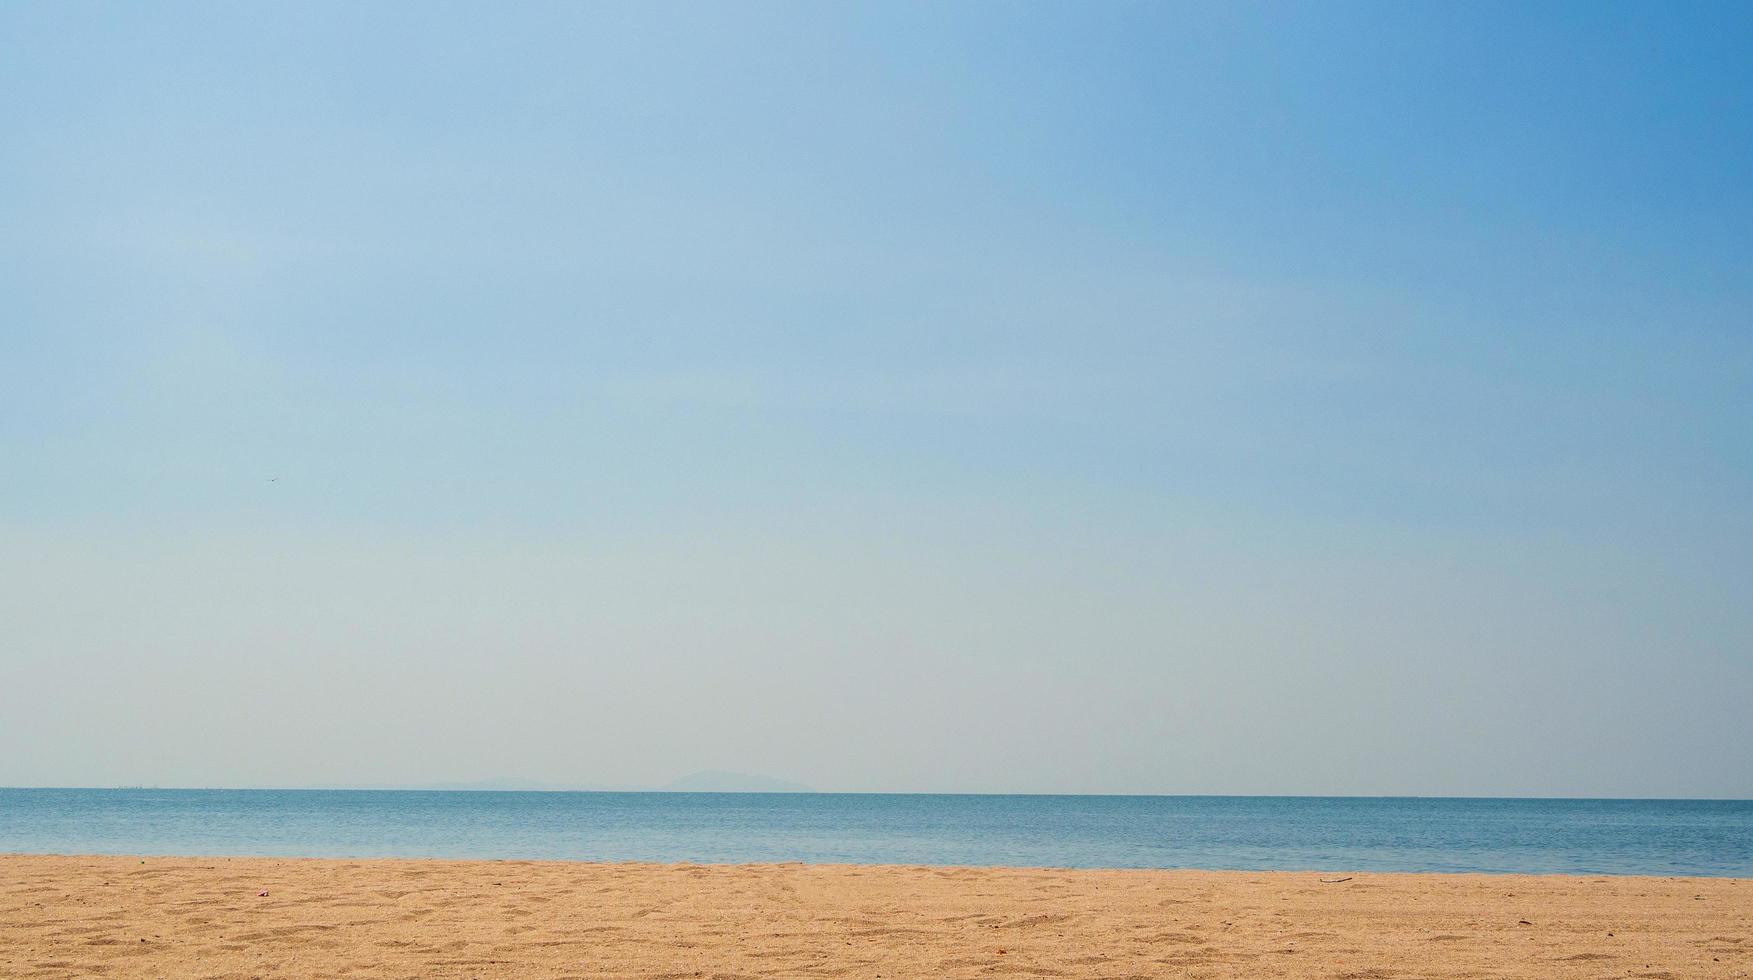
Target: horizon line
{"x": 654, "y": 791}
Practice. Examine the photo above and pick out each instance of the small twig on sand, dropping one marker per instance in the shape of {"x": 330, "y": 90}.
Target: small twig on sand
{"x": 1334, "y": 881}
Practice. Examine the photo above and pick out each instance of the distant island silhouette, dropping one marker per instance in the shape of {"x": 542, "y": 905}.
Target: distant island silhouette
{"x": 719, "y": 781}
{"x": 703, "y": 781}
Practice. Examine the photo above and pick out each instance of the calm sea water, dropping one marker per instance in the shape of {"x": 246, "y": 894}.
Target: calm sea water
{"x": 1660, "y": 837}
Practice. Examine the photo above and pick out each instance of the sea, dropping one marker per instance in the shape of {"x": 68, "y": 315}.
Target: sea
{"x": 1335, "y": 834}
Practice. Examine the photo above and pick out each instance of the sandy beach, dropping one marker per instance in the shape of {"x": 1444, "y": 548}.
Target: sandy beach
{"x": 208, "y": 917}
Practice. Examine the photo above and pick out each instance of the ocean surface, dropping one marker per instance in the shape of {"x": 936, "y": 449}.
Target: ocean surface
{"x": 1653, "y": 837}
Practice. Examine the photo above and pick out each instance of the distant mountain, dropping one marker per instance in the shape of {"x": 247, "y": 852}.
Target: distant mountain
{"x": 499, "y": 785}
{"x": 718, "y": 781}
{"x": 704, "y": 781}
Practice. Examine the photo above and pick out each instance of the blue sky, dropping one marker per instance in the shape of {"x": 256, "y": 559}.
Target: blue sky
{"x": 1085, "y": 397}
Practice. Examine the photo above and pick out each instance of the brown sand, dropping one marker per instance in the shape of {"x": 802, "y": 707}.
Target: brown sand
{"x": 204, "y": 917}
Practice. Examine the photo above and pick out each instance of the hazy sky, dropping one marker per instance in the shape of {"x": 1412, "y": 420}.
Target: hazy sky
{"x": 1311, "y": 398}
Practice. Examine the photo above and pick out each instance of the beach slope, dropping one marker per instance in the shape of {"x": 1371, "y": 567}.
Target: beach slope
{"x": 208, "y": 917}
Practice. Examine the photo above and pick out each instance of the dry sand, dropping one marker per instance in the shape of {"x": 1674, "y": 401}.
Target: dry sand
{"x": 205, "y": 917}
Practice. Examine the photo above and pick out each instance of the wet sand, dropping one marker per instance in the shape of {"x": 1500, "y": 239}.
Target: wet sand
{"x": 206, "y": 917}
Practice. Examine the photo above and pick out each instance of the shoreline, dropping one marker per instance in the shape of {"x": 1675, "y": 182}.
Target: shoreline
{"x": 128, "y": 916}
{"x": 851, "y": 866}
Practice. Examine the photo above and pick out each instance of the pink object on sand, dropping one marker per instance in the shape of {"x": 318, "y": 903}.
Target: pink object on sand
{"x": 261, "y": 894}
